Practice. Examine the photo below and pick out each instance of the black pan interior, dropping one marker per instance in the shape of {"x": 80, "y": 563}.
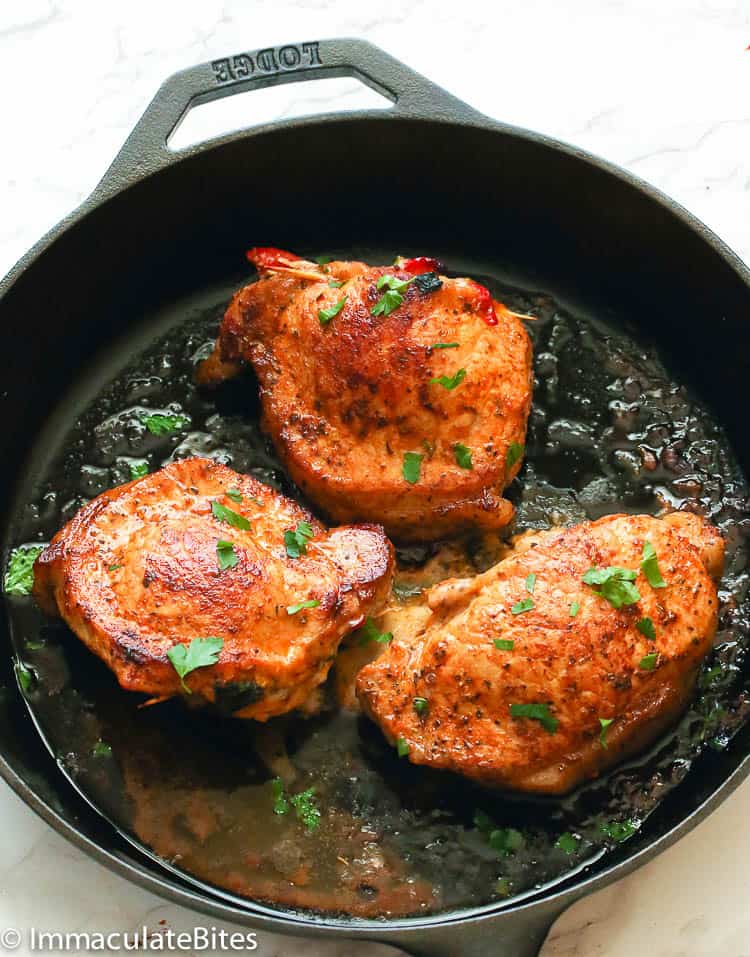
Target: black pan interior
{"x": 489, "y": 204}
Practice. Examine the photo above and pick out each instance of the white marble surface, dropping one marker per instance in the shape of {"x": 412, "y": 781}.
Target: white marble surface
{"x": 659, "y": 86}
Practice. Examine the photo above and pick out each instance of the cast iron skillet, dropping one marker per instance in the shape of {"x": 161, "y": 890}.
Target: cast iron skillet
{"x": 428, "y": 173}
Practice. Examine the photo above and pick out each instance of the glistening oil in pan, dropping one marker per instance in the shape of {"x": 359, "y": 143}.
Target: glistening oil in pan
{"x": 609, "y": 432}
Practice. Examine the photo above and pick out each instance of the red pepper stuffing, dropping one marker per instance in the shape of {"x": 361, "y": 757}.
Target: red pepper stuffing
{"x": 421, "y": 264}
{"x": 266, "y": 257}
{"x": 486, "y": 305}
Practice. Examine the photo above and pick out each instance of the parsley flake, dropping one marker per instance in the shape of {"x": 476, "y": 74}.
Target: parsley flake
{"x": 616, "y": 585}
{"x": 325, "y": 315}
{"x": 370, "y": 632}
{"x": 223, "y": 514}
{"x": 234, "y": 494}
{"x": 646, "y": 627}
{"x": 306, "y": 809}
{"x": 402, "y": 747}
{"x": 536, "y": 711}
{"x": 530, "y": 583}
{"x": 450, "y": 382}
{"x": 310, "y": 603}
{"x": 421, "y": 706}
{"x": 412, "y": 467}
{"x": 113, "y": 568}
{"x": 19, "y": 578}
{"x": 226, "y": 554}
{"x": 604, "y": 723}
{"x": 463, "y": 456}
{"x": 619, "y": 830}
{"x": 444, "y": 345}
{"x": 159, "y": 424}
{"x": 526, "y": 604}
{"x": 101, "y": 750}
{"x": 138, "y": 469}
{"x": 200, "y": 653}
{"x": 650, "y": 567}
{"x": 575, "y": 607}
{"x": 648, "y": 662}
{"x": 336, "y": 283}
{"x": 567, "y": 843}
{"x": 296, "y": 541}
{"x": 387, "y": 303}
{"x": 504, "y": 840}
{"x": 504, "y": 644}
{"x": 280, "y": 803}
{"x": 323, "y": 260}
{"x": 514, "y": 453}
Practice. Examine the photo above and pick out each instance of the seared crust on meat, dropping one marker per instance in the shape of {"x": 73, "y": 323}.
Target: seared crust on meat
{"x": 136, "y": 572}
{"x": 345, "y": 400}
{"x": 585, "y": 667}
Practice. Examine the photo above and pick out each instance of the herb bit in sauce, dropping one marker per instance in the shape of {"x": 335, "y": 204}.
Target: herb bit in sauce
{"x": 303, "y": 803}
{"x": 226, "y": 554}
{"x": 616, "y": 585}
{"x": 223, "y": 514}
{"x": 514, "y": 453}
{"x": 159, "y": 424}
{"x": 25, "y": 676}
{"x": 421, "y": 706}
{"x": 280, "y": 803}
{"x": 604, "y": 724}
{"x": 370, "y": 632}
{"x": 526, "y": 604}
{"x": 450, "y": 382}
{"x": 504, "y": 840}
{"x": 200, "y": 653}
{"x": 536, "y": 711}
{"x": 296, "y": 541}
{"x": 567, "y": 843}
{"x": 463, "y": 456}
{"x": 310, "y": 603}
{"x": 101, "y": 750}
{"x": 19, "y": 578}
{"x": 325, "y": 315}
{"x": 646, "y": 627}
{"x": 650, "y": 567}
{"x": 619, "y": 830}
{"x": 402, "y": 747}
{"x": 504, "y": 644}
{"x": 412, "y": 467}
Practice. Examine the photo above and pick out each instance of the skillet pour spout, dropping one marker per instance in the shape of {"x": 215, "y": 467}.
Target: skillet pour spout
{"x": 582, "y": 225}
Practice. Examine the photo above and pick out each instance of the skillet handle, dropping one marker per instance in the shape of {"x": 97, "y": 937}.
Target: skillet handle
{"x": 145, "y": 151}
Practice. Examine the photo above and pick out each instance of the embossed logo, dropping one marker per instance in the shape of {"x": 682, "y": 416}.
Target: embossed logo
{"x": 271, "y": 60}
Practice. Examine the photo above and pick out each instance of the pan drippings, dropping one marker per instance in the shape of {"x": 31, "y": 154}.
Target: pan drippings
{"x": 228, "y": 803}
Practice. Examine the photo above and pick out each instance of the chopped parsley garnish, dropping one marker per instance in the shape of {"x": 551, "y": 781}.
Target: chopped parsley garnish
{"x": 113, "y": 568}
{"x": 514, "y": 453}
{"x": 428, "y": 282}
{"x": 450, "y": 382}
{"x": 530, "y": 583}
{"x": 200, "y": 653}
{"x": 646, "y": 627}
{"x": 280, "y": 803}
{"x": 504, "y": 644}
{"x": 421, "y": 706}
{"x": 616, "y": 585}
{"x": 444, "y": 345}
{"x": 335, "y": 283}
{"x": 306, "y": 809}
{"x": 226, "y": 554}
{"x": 412, "y": 467}
{"x": 310, "y": 603}
{"x": 138, "y": 469}
{"x": 575, "y": 607}
{"x": 463, "y": 456}
{"x": 101, "y": 750}
{"x": 296, "y": 541}
{"x": 567, "y": 843}
{"x": 504, "y": 840}
{"x": 325, "y": 315}
{"x": 159, "y": 424}
{"x": 402, "y": 747}
{"x": 526, "y": 604}
{"x": 19, "y": 578}
{"x": 234, "y": 494}
{"x": 303, "y": 803}
{"x": 648, "y": 662}
{"x": 605, "y": 723}
{"x": 392, "y": 297}
{"x": 370, "y": 632}
{"x": 650, "y": 567}
{"x": 223, "y": 514}
{"x": 323, "y": 260}
{"x": 536, "y": 711}
{"x": 25, "y": 676}
{"x": 619, "y": 830}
